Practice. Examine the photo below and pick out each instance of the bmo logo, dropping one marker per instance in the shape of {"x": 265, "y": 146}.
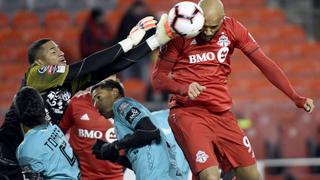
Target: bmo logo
{"x": 109, "y": 135}
{"x": 210, "y": 56}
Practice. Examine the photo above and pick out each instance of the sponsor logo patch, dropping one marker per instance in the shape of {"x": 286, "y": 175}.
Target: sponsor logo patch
{"x": 43, "y": 69}
{"x": 133, "y": 113}
{"x": 85, "y": 117}
{"x": 123, "y": 106}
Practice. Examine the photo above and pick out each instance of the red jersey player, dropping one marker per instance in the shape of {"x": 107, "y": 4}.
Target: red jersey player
{"x": 195, "y": 71}
{"x": 86, "y": 125}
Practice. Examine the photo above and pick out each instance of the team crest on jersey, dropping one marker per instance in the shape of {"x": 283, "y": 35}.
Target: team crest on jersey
{"x": 58, "y": 99}
{"x": 201, "y": 157}
{"x": 122, "y": 107}
{"x": 223, "y": 40}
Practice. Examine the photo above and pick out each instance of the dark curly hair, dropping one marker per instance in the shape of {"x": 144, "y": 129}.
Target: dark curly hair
{"x": 30, "y": 107}
{"x": 109, "y": 84}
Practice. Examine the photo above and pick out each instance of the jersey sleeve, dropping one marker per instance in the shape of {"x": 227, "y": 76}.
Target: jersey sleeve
{"x": 45, "y": 77}
{"x": 161, "y": 75}
{"x": 130, "y": 112}
{"x": 244, "y": 40}
{"x": 34, "y": 164}
{"x": 81, "y": 83}
{"x": 67, "y": 119}
{"x": 29, "y": 160}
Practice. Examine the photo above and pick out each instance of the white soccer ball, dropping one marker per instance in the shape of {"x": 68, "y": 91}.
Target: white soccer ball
{"x": 186, "y": 19}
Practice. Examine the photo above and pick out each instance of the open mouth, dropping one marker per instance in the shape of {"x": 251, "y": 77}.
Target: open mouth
{"x": 63, "y": 60}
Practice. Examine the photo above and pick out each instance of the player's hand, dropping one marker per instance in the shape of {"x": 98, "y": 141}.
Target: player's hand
{"x": 194, "y": 90}
{"x": 105, "y": 151}
{"x": 308, "y": 105}
{"x": 164, "y": 32}
{"x": 137, "y": 32}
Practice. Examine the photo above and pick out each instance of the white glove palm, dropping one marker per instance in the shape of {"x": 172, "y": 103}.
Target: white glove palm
{"x": 163, "y": 33}
{"x": 138, "y": 32}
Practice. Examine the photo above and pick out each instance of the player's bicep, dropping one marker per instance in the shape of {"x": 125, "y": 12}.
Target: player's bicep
{"x": 130, "y": 113}
{"x": 244, "y": 40}
{"x": 67, "y": 119}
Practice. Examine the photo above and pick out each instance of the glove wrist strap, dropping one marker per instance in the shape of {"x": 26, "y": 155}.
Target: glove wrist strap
{"x": 153, "y": 42}
{"x": 126, "y": 44}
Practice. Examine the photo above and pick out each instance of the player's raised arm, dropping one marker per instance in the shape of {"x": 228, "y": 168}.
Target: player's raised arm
{"x": 247, "y": 44}
{"x": 277, "y": 77}
{"x": 162, "y": 78}
{"x": 118, "y": 57}
{"x": 104, "y": 58}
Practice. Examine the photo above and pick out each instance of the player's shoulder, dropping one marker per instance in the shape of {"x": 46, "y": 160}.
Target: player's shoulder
{"x": 124, "y": 105}
{"x": 47, "y": 69}
{"x": 228, "y": 20}
{"x": 231, "y": 22}
{"x": 82, "y": 96}
{"x": 29, "y": 146}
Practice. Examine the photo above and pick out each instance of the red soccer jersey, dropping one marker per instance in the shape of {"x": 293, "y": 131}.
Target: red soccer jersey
{"x": 86, "y": 125}
{"x": 207, "y": 63}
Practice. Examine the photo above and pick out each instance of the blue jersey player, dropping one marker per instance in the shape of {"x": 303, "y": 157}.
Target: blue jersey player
{"x": 44, "y": 153}
{"x": 146, "y": 137}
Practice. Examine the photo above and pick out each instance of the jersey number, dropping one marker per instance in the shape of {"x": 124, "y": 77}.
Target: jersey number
{"x": 71, "y": 160}
{"x": 246, "y": 143}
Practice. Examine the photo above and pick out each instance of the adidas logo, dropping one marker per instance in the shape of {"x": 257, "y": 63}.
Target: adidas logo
{"x": 85, "y": 117}
{"x": 193, "y": 42}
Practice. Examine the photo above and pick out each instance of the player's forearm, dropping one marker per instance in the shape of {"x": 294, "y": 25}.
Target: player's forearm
{"x": 276, "y": 76}
{"x": 138, "y": 139}
{"x": 124, "y": 61}
{"x": 162, "y": 81}
{"x": 145, "y": 132}
{"x": 99, "y": 60}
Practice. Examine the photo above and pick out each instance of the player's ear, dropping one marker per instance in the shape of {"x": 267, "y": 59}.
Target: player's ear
{"x": 115, "y": 92}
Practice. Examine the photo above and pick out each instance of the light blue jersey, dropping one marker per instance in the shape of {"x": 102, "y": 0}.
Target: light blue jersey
{"x": 46, "y": 150}
{"x": 161, "y": 161}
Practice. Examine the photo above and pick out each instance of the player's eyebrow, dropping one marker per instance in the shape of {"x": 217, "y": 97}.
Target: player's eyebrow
{"x": 52, "y": 48}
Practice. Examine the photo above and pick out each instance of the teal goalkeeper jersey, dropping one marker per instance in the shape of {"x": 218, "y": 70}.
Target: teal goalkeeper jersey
{"x": 161, "y": 161}
{"x": 46, "y": 150}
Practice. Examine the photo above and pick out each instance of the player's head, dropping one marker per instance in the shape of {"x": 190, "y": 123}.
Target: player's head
{"x": 45, "y": 52}
{"x": 30, "y": 107}
{"x": 104, "y": 94}
{"x": 97, "y": 15}
{"x": 213, "y": 12}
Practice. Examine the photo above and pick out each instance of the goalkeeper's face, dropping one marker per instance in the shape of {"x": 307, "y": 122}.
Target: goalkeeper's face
{"x": 103, "y": 100}
{"x": 51, "y": 54}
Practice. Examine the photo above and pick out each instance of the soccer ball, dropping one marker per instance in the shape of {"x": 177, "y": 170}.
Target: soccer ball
{"x": 186, "y": 19}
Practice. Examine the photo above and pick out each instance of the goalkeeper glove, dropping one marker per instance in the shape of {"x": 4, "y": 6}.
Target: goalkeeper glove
{"x": 163, "y": 33}
{"x": 137, "y": 33}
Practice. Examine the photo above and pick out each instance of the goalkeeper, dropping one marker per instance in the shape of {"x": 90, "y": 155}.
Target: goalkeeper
{"x": 57, "y": 82}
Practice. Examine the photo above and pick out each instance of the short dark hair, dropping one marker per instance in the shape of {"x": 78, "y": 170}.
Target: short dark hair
{"x": 34, "y": 49}
{"x": 96, "y": 12}
{"x": 30, "y": 107}
{"x": 109, "y": 84}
